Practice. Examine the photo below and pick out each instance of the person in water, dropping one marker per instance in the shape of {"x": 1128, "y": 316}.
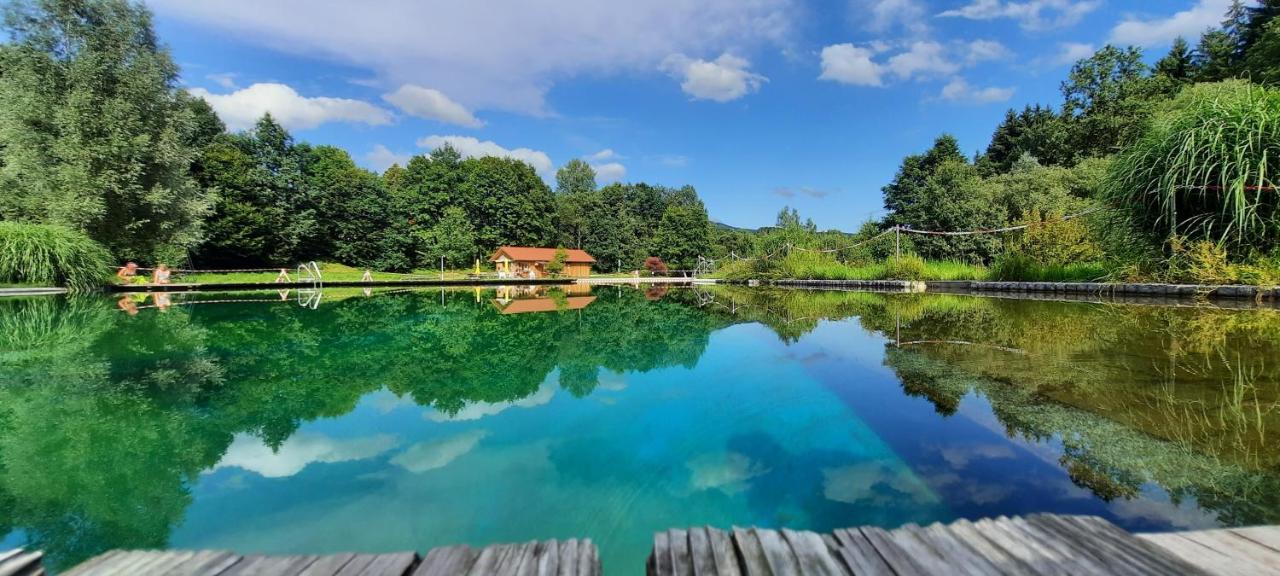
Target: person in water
{"x": 160, "y": 275}
{"x": 127, "y": 272}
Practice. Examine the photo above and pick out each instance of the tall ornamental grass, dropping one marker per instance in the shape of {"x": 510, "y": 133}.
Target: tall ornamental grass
{"x": 1205, "y": 168}
{"x": 48, "y": 255}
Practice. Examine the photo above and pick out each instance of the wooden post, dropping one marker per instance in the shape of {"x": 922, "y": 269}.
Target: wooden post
{"x": 897, "y": 242}
{"x": 442, "y": 268}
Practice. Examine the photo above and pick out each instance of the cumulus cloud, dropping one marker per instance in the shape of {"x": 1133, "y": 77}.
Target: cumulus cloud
{"x": 240, "y": 109}
{"x": 1072, "y": 52}
{"x": 478, "y": 410}
{"x": 502, "y": 54}
{"x": 227, "y": 80}
{"x": 470, "y": 147}
{"x": 924, "y": 58}
{"x": 958, "y": 90}
{"x": 790, "y": 192}
{"x": 889, "y": 15}
{"x": 728, "y": 472}
{"x": 849, "y": 64}
{"x": 723, "y": 79}
{"x": 299, "y": 451}
{"x": 982, "y": 50}
{"x": 1189, "y": 23}
{"x": 431, "y": 104}
{"x": 672, "y": 160}
{"x": 606, "y": 154}
{"x": 1031, "y": 14}
{"x": 609, "y": 171}
{"x": 436, "y": 454}
{"x": 381, "y": 158}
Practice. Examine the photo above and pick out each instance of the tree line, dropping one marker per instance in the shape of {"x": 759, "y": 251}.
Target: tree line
{"x": 97, "y": 135}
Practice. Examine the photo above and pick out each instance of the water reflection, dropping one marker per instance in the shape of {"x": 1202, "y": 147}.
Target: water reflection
{"x": 614, "y": 412}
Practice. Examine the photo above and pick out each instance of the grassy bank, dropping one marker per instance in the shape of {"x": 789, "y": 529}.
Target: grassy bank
{"x": 329, "y": 271}
{"x": 910, "y": 267}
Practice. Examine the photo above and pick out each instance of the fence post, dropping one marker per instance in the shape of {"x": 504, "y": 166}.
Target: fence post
{"x": 897, "y": 242}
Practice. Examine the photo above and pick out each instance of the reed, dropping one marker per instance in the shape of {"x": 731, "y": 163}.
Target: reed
{"x": 46, "y": 255}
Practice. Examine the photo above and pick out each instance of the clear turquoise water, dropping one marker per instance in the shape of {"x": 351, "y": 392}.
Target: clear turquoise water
{"x": 403, "y": 421}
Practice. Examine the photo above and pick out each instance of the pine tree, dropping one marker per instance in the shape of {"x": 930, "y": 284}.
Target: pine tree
{"x": 1179, "y": 64}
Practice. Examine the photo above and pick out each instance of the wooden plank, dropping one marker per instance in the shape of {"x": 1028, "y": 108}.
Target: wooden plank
{"x": 528, "y": 564}
{"x": 722, "y": 550}
{"x": 1027, "y": 551}
{"x": 921, "y": 553}
{"x": 681, "y": 562}
{"x": 1238, "y": 548}
{"x": 776, "y": 552}
{"x": 85, "y": 567}
{"x": 171, "y": 561}
{"x": 1268, "y": 536}
{"x": 588, "y": 558}
{"x": 327, "y": 565}
{"x": 124, "y": 564}
{"x": 271, "y": 565}
{"x": 893, "y": 554}
{"x": 704, "y": 560}
{"x": 447, "y": 561}
{"x": 1062, "y": 553}
{"x": 568, "y": 562}
{"x": 549, "y": 561}
{"x": 859, "y": 556}
{"x": 394, "y": 564}
{"x": 1008, "y": 562}
{"x": 22, "y": 564}
{"x": 1206, "y": 559}
{"x": 662, "y": 554}
{"x": 1140, "y": 552}
{"x": 357, "y": 564}
{"x": 752, "y": 553}
{"x": 811, "y": 553}
{"x": 207, "y": 563}
{"x": 955, "y": 550}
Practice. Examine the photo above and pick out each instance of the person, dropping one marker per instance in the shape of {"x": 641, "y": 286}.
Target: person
{"x": 160, "y": 275}
{"x": 161, "y": 300}
{"x": 368, "y": 276}
{"x": 126, "y": 273}
{"x": 283, "y": 276}
{"x": 127, "y": 304}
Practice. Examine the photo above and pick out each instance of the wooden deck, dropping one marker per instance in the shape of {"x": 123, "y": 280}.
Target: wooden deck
{"x": 548, "y": 558}
{"x": 1039, "y": 544}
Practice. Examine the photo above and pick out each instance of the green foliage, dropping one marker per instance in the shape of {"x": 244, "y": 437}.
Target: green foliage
{"x": 575, "y": 177}
{"x": 1263, "y": 60}
{"x": 1037, "y": 131}
{"x": 48, "y": 255}
{"x": 556, "y": 265}
{"x": 1050, "y": 241}
{"x": 1203, "y": 168}
{"x": 1178, "y": 66}
{"x": 95, "y": 132}
{"x": 683, "y": 235}
{"x": 1107, "y": 97}
{"x": 906, "y": 267}
{"x": 452, "y": 238}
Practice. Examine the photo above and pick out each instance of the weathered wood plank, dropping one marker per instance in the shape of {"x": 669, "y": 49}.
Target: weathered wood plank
{"x": 22, "y": 563}
{"x": 704, "y": 560}
{"x": 859, "y": 556}
{"x": 722, "y": 550}
{"x": 681, "y": 562}
{"x": 395, "y": 564}
{"x": 528, "y": 565}
{"x": 776, "y": 552}
{"x": 811, "y": 553}
{"x": 207, "y": 563}
{"x": 1061, "y": 553}
{"x": 357, "y": 565}
{"x": 509, "y": 561}
{"x": 1028, "y": 552}
{"x": 1238, "y": 548}
{"x": 327, "y": 565}
{"x": 1208, "y": 560}
{"x": 1268, "y": 536}
{"x": 588, "y": 558}
{"x": 753, "y": 559}
{"x": 662, "y": 554}
{"x": 1140, "y": 553}
{"x": 270, "y": 566}
{"x": 568, "y": 562}
{"x": 1008, "y": 562}
{"x": 549, "y": 560}
{"x": 921, "y": 553}
{"x": 953, "y": 549}
{"x": 893, "y": 554}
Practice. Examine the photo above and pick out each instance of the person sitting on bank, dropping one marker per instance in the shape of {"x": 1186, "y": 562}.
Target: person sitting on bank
{"x": 160, "y": 275}
{"x": 368, "y": 276}
{"x": 283, "y": 276}
{"x": 127, "y": 272}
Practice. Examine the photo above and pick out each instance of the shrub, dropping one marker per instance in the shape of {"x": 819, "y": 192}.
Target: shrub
{"x": 1055, "y": 241}
{"x": 906, "y": 267}
{"x": 52, "y": 255}
{"x": 1205, "y": 168}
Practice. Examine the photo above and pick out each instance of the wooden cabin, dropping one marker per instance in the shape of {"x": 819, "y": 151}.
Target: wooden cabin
{"x": 526, "y": 262}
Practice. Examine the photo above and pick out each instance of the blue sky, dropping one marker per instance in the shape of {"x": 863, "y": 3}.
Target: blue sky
{"x": 756, "y": 103}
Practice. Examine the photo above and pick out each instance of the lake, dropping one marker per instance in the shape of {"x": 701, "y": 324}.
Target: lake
{"x": 386, "y": 421}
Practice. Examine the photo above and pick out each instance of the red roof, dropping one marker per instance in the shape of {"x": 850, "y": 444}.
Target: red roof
{"x": 526, "y": 254}
{"x": 523, "y": 305}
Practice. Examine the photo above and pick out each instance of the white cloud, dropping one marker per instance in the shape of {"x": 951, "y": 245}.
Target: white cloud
{"x": 1072, "y": 52}
{"x": 478, "y": 410}
{"x": 672, "y": 160}
{"x": 1031, "y": 14}
{"x": 299, "y": 451}
{"x": 723, "y": 79}
{"x": 436, "y": 454}
{"x": 431, "y": 104}
{"x": 1188, "y": 23}
{"x": 849, "y": 64}
{"x": 728, "y": 472}
{"x": 240, "y": 109}
{"x": 958, "y": 90}
{"x": 381, "y": 158}
{"x": 470, "y": 147}
{"x": 609, "y": 172}
{"x": 606, "y": 154}
{"x": 886, "y": 15}
{"x": 502, "y": 54}
{"x": 226, "y": 80}
{"x": 925, "y": 58}
{"x": 982, "y": 50}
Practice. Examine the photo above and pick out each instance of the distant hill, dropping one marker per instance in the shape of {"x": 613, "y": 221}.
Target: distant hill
{"x": 723, "y": 226}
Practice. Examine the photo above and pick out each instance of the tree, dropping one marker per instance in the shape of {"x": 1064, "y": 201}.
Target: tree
{"x": 684, "y": 234}
{"x": 1260, "y": 16}
{"x": 1106, "y": 97}
{"x": 575, "y": 177}
{"x": 453, "y": 238}
{"x": 1215, "y": 56}
{"x": 354, "y": 219}
{"x": 95, "y": 132}
{"x": 1263, "y": 61}
{"x": 556, "y": 265}
{"x": 1178, "y": 66}
{"x": 905, "y": 194}
{"x": 575, "y": 181}
{"x": 1038, "y": 131}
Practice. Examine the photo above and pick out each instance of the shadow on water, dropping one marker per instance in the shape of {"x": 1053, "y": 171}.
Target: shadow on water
{"x": 108, "y": 419}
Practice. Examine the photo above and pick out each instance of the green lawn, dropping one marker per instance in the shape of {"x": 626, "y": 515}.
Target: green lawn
{"x": 330, "y": 272}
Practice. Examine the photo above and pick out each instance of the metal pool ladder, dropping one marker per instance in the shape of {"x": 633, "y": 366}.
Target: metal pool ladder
{"x": 309, "y": 273}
